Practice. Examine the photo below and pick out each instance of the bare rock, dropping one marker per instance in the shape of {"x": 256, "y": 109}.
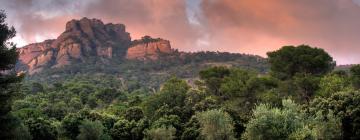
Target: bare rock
{"x": 81, "y": 39}
{"x": 149, "y": 50}
{"x": 31, "y": 51}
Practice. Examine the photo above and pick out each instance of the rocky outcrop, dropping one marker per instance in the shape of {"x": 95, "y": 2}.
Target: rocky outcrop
{"x": 31, "y": 51}
{"x": 87, "y": 38}
{"x": 81, "y": 39}
{"x": 149, "y": 50}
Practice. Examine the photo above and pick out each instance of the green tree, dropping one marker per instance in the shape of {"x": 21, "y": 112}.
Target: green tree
{"x": 307, "y": 85}
{"x": 161, "y": 133}
{"x": 199, "y": 100}
{"x": 70, "y": 125}
{"x": 242, "y": 89}
{"x": 236, "y": 84}
{"x": 319, "y": 127}
{"x": 355, "y": 75}
{"x": 128, "y": 130}
{"x": 75, "y": 104}
{"x": 191, "y": 129}
{"x": 21, "y": 133}
{"x": 90, "y": 130}
{"x": 57, "y": 110}
{"x": 41, "y": 129}
{"x": 216, "y": 125}
{"x": 166, "y": 110}
{"x": 167, "y": 121}
{"x": 107, "y": 95}
{"x": 91, "y": 102}
{"x": 122, "y": 130}
{"x": 290, "y": 122}
{"x": 289, "y": 60}
{"x": 345, "y": 105}
{"x": 37, "y": 87}
{"x": 134, "y": 113}
{"x": 300, "y": 68}
{"x": 213, "y": 78}
{"x": 172, "y": 94}
{"x": 14, "y": 129}
{"x": 26, "y": 113}
{"x": 8, "y": 79}
{"x": 333, "y": 83}
{"x": 239, "y": 121}
{"x": 107, "y": 120}
{"x": 246, "y": 85}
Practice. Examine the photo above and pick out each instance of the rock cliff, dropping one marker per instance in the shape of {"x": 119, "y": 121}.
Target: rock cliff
{"x": 149, "y": 50}
{"x": 87, "y": 38}
{"x": 82, "y": 39}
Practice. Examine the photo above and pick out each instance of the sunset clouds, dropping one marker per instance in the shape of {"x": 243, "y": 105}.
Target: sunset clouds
{"x": 245, "y": 26}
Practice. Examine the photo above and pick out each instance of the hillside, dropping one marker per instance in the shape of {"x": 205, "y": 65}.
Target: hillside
{"x": 90, "y": 47}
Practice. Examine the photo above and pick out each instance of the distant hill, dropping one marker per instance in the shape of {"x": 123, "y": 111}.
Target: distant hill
{"x": 90, "y": 47}
{"x": 344, "y": 67}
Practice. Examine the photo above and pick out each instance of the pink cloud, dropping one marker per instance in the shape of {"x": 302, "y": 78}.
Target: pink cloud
{"x": 245, "y": 26}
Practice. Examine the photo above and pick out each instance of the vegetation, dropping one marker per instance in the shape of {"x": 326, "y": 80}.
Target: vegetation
{"x": 290, "y": 122}
{"x": 302, "y": 97}
{"x": 149, "y": 75}
{"x": 145, "y": 39}
{"x": 290, "y": 60}
{"x": 216, "y": 125}
{"x": 8, "y": 84}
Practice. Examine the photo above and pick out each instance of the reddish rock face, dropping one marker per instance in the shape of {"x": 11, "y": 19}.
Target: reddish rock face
{"x": 89, "y": 38}
{"x": 31, "y": 51}
{"x": 149, "y": 51}
{"x": 81, "y": 39}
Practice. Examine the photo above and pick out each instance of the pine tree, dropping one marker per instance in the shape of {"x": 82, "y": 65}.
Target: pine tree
{"x": 8, "y": 80}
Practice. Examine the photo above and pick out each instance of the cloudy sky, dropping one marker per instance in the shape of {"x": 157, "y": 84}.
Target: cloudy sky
{"x": 244, "y": 26}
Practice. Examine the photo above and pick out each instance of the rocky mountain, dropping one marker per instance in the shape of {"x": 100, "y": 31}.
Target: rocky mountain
{"x": 86, "y": 38}
{"x": 148, "y": 49}
{"x": 89, "y": 47}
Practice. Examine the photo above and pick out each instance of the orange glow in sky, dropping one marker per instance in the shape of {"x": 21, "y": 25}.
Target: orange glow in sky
{"x": 243, "y": 26}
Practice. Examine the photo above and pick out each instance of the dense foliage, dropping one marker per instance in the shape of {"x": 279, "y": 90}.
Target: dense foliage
{"x": 290, "y": 122}
{"x": 10, "y": 126}
{"x": 290, "y": 60}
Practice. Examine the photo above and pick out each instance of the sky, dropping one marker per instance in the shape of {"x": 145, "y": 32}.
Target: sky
{"x": 241, "y": 26}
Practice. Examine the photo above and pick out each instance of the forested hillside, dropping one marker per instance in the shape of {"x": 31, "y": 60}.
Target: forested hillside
{"x": 151, "y": 74}
{"x": 90, "y": 47}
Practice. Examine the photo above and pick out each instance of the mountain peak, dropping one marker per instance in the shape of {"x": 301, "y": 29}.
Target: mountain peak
{"x": 87, "y": 38}
{"x": 74, "y": 24}
{"x": 81, "y": 39}
{"x": 96, "y": 29}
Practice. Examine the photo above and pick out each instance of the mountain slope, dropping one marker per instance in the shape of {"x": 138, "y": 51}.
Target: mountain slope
{"x": 90, "y": 47}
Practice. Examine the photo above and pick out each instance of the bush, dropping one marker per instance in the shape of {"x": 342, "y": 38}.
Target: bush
{"x": 290, "y": 122}
{"x": 216, "y": 125}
